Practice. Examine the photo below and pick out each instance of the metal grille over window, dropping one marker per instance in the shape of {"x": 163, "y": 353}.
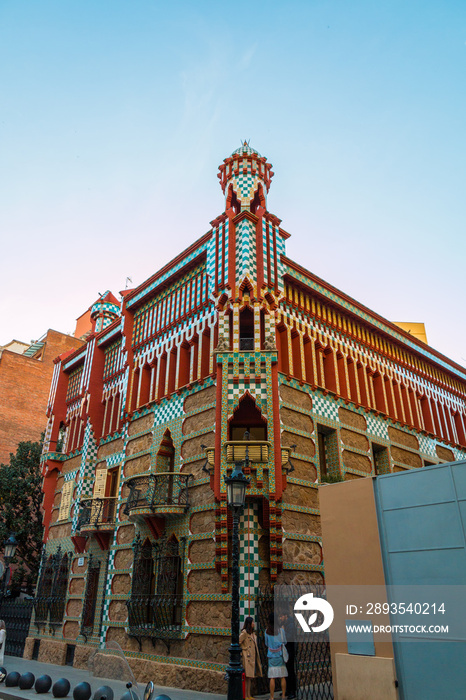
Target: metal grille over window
{"x": 90, "y": 598}
{"x": 50, "y": 600}
{"x": 156, "y": 603}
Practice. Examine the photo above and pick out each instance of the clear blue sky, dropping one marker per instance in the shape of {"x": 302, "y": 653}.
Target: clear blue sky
{"x": 115, "y": 115}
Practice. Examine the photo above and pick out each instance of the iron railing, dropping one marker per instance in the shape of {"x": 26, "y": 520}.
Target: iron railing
{"x": 90, "y": 597}
{"x": 246, "y": 343}
{"x": 312, "y": 661}
{"x": 50, "y": 599}
{"x": 157, "y": 616}
{"x": 95, "y": 512}
{"x": 17, "y": 616}
{"x": 158, "y": 490}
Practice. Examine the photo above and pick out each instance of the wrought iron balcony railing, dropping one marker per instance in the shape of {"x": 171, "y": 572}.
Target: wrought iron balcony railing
{"x": 246, "y": 343}
{"x": 158, "y": 492}
{"x": 158, "y": 616}
{"x": 96, "y": 513}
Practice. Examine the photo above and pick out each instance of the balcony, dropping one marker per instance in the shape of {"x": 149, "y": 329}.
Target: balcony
{"x": 156, "y": 616}
{"x": 246, "y": 344}
{"x": 97, "y": 515}
{"x": 257, "y": 450}
{"x": 158, "y": 494}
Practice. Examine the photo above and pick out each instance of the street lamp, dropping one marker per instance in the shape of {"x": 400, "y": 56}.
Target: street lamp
{"x": 10, "y": 549}
{"x": 237, "y": 484}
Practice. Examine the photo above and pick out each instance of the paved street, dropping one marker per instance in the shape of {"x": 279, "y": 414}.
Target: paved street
{"x": 77, "y": 675}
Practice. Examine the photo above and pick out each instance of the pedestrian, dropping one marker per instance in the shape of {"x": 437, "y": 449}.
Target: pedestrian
{"x": 251, "y": 660}
{"x": 287, "y": 623}
{"x": 275, "y": 641}
{"x": 2, "y": 641}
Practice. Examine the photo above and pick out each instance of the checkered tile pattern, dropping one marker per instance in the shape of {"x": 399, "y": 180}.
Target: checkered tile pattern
{"x": 86, "y": 470}
{"x": 324, "y": 407}
{"x": 158, "y": 281}
{"x": 281, "y": 250}
{"x": 377, "y": 427}
{"x": 249, "y": 559}
{"x": 427, "y": 445}
{"x": 246, "y": 252}
{"x": 246, "y": 185}
{"x": 211, "y": 262}
{"x": 258, "y": 391}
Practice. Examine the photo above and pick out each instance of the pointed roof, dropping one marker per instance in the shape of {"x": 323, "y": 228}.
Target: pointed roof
{"x": 246, "y": 150}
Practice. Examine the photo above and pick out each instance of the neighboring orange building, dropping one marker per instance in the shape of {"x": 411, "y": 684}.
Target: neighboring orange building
{"x": 25, "y": 377}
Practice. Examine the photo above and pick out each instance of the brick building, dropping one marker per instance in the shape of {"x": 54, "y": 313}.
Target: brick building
{"x": 231, "y": 340}
{"x": 25, "y": 375}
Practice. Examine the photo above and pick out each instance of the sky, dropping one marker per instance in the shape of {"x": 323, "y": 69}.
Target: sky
{"x": 114, "y": 117}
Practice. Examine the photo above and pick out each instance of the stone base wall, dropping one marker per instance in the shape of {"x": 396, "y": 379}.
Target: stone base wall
{"x": 51, "y": 652}
{"x": 28, "y": 647}
{"x": 177, "y": 676}
{"x": 169, "y": 675}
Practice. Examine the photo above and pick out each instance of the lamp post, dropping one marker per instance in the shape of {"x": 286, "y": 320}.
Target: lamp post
{"x": 237, "y": 484}
{"x": 10, "y": 549}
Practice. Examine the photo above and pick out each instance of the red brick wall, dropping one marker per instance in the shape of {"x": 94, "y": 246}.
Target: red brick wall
{"x": 24, "y": 390}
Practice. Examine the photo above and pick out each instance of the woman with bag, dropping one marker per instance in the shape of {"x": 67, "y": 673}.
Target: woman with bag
{"x": 277, "y": 656}
{"x": 2, "y": 641}
{"x": 251, "y": 660}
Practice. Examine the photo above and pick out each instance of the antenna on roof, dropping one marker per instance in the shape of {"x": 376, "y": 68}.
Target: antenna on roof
{"x": 128, "y": 279}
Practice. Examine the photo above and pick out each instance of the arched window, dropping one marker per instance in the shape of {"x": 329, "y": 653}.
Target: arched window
{"x": 247, "y": 420}
{"x": 90, "y": 597}
{"x": 156, "y": 602}
{"x": 164, "y": 465}
{"x": 44, "y": 591}
{"x": 52, "y": 588}
{"x": 58, "y": 599}
{"x": 246, "y": 329}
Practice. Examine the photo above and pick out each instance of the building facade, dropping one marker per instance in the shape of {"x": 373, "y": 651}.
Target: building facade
{"x": 25, "y": 374}
{"x": 231, "y": 351}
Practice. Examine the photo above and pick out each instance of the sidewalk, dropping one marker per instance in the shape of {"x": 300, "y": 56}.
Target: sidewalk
{"x": 77, "y": 675}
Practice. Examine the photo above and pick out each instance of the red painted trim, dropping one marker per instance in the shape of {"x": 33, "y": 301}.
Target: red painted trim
{"x": 259, "y": 251}
{"x": 246, "y": 214}
{"x": 277, "y": 433}
{"x": 231, "y": 252}
{"x": 375, "y": 316}
{"x": 48, "y": 487}
{"x": 218, "y": 433}
{"x": 79, "y": 543}
{"x": 171, "y": 264}
{"x": 103, "y": 539}
{"x": 156, "y": 525}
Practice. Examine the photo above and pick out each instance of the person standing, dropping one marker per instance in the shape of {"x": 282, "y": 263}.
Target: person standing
{"x": 275, "y": 641}
{"x": 2, "y": 641}
{"x": 251, "y": 660}
{"x": 288, "y": 626}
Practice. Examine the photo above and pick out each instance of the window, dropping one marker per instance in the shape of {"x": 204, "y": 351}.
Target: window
{"x": 246, "y": 329}
{"x": 247, "y": 421}
{"x": 156, "y": 602}
{"x": 327, "y": 446}
{"x": 90, "y": 597}
{"x": 50, "y": 599}
{"x": 65, "y": 503}
{"x": 381, "y": 459}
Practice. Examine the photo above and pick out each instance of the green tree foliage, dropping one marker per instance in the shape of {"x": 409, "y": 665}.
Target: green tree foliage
{"x": 20, "y": 510}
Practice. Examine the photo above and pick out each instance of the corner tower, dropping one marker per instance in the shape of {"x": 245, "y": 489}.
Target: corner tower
{"x": 245, "y": 251}
{"x": 246, "y": 283}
